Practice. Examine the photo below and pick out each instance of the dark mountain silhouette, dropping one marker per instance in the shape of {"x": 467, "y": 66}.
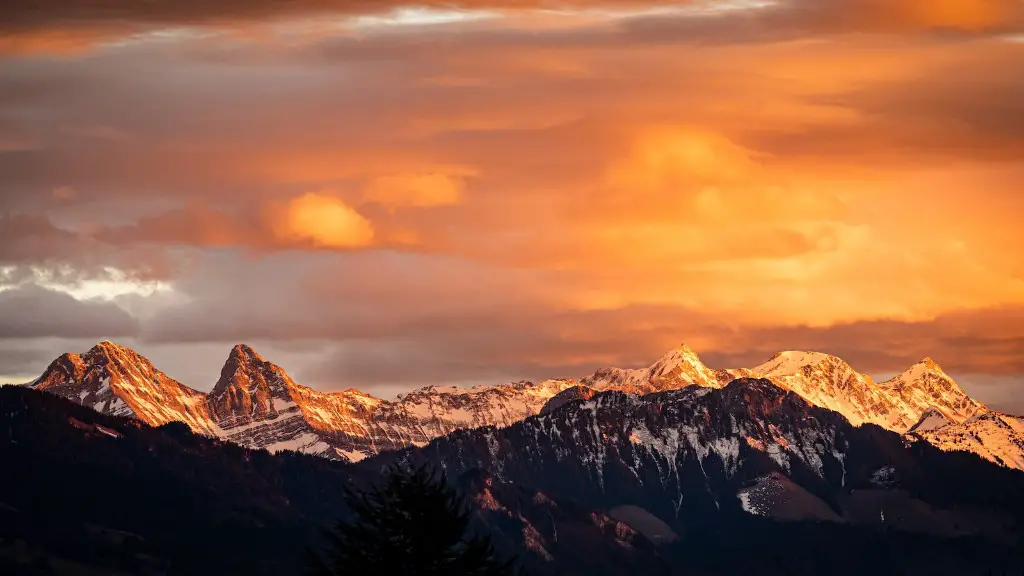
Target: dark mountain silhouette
{"x": 695, "y": 458}
{"x": 87, "y": 493}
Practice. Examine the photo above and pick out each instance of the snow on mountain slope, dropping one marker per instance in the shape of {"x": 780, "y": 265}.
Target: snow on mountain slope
{"x": 256, "y": 404}
{"x": 116, "y": 380}
{"x": 822, "y": 379}
{"x": 994, "y": 436}
{"x": 679, "y": 368}
{"x": 925, "y": 386}
{"x": 668, "y": 442}
{"x": 698, "y": 454}
{"x": 829, "y": 382}
{"x": 923, "y": 396}
{"x": 930, "y": 420}
{"x": 424, "y": 414}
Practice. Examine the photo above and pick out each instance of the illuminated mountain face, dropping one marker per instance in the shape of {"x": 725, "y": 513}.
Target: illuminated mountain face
{"x": 256, "y": 404}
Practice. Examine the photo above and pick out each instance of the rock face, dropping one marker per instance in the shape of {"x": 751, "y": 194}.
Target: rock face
{"x": 116, "y": 380}
{"x": 568, "y": 395}
{"x": 256, "y": 404}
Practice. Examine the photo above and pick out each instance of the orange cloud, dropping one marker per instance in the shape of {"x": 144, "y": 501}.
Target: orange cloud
{"x": 57, "y": 41}
{"x": 415, "y": 190}
{"x": 808, "y": 173}
{"x": 680, "y": 158}
{"x": 324, "y": 221}
{"x": 964, "y": 14}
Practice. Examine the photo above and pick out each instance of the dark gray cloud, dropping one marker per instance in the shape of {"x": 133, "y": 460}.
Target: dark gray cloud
{"x": 808, "y": 19}
{"x": 403, "y": 319}
{"x": 784, "y": 18}
{"x": 31, "y": 13}
{"x": 986, "y": 341}
{"x": 33, "y": 248}
{"x": 136, "y": 150}
{"x": 34, "y": 312}
{"x": 23, "y": 359}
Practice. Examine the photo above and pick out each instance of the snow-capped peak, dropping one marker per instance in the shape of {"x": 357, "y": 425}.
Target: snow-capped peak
{"x": 114, "y": 352}
{"x": 790, "y": 362}
{"x": 926, "y": 386}
{"x": 927, "y": 364}
{"x": 679, "y": 368}
{"x": 828, "y": 381}
{"x": 682, "y": 367}
{"x": 682, "y": 354}
{"x": 255, "y": 403}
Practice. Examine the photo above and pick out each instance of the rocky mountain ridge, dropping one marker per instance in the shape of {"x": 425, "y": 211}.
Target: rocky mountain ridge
{"x": 256, "y": 404}
{"x": 698, "y": 456}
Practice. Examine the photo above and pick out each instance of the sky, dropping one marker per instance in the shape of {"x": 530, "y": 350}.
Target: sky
{"x": 384, "y": 196}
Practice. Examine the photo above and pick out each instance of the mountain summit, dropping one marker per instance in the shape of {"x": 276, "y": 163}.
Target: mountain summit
{"x": 117, "y": 380}
{"x": 250, "y": 389}
{"x": 678, "y": 368}
{"x": 256, "y": 404}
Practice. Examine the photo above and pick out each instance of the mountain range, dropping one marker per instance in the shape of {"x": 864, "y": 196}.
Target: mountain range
{"x": 747, "y": 477}
{"x": 256, "y": 404}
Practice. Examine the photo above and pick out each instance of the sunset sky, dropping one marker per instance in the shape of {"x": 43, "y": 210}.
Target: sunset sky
{"x": 384, "y": 196}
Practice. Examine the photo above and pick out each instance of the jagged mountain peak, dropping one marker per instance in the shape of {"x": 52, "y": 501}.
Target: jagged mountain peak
{"x": 926, "y": 386}
{"x": 244, "y": 352}
{"x": 255, "y": 403}
{"x": 115, "y": 379}
{"x": 683, "y": 351}
{"x": 110, "y": 345}
{"x": 681, "y": 354}
{"x": 245, "y": 367}
{"x": 103, "y": 361}
{"x": 111, "y": 351}
{"x": 927, "y": 364}
{"x": 244, "y": 356}
{"x": 249, "y": 389}
{"x": 678, "y": 368}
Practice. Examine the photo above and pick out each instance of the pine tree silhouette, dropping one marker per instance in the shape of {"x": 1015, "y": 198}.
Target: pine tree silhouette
{"x": 415, "y": 525}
